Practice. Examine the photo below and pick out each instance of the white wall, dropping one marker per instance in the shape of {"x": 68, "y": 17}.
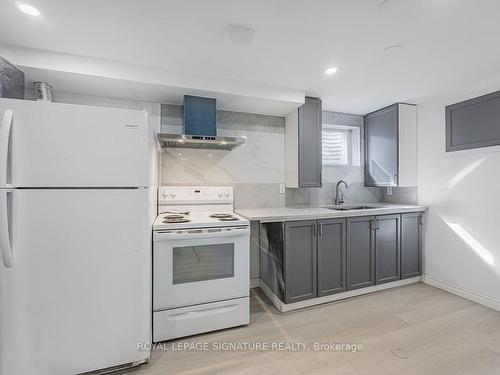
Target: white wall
{"x": 462, "y": 234}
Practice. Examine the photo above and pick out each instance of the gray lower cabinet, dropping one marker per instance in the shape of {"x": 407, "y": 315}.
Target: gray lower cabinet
{"x": 411, "y": 245}
{"x": 332, "y": 252}
{"x": 387, "y": 248}
{"x": 300, "y": 258}
{"x": 310, "y": 148}
{"x": 271, "y": 256}
{"x": 360, "y": 252}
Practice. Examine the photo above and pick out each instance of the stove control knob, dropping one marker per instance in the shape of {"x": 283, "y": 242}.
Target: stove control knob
{"x": 219, "y": 195}
{"x": 173, "y": 195}
{"x": 227, "y": 195}
{"x": 164, "y": 195}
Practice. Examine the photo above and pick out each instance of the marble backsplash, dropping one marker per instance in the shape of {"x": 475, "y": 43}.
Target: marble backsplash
{"x": 259, "y": 161}
{"x": 356, "y": 193}
{"x": 256, "y": 169}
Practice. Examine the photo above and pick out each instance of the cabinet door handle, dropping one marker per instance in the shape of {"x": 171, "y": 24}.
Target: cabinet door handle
{"x": 421, "y": 219}
{"x": 315, "y": 228}
{"x": 320, "y": 228}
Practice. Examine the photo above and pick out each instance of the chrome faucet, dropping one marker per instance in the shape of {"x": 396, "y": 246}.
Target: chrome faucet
{"x": 339, "y": 198}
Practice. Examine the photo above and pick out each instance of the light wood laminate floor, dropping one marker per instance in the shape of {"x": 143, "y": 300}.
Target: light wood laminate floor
{"x": 414, "y": 329}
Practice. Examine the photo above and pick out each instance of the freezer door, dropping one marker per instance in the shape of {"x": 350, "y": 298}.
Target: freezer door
{"x": 64, "y": 145}
{"x": 78, "y": 295}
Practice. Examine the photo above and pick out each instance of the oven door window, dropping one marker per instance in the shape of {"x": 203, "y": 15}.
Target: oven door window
{"x": 204, "y": 262}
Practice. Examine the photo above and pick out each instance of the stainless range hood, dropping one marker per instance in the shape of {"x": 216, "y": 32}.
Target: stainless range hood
{"x": 200, "y": 119}
{"x": 193, "y": 141}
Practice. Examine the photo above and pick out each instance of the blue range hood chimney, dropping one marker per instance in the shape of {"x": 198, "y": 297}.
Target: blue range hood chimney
{"x": 200, "y": 116}
{"x": 199, "y": 127}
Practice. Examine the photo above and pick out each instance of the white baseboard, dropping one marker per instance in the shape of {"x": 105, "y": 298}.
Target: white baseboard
{"x": 462, "y": 292}
{"x": 254, "y": 283}
{"x": 283, "y": 307}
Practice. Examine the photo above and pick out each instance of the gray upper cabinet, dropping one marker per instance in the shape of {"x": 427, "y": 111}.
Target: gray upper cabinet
{"x": 411, "y": 245}
{"x": 473, "y": 123}
{"x": 310, "y": 147}
{"x": 360, "y": 252}
{"x": 381, "y": 135}
{"x": 332, "y": 252}
{"x": 303, "y": 147}
{"x": 387, "y": 248}
{"x": 391, "y": 146}
{"x": 300, "y": 260}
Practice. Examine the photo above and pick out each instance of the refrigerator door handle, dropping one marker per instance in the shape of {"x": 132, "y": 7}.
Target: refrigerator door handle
{"x": 5, "y": 245}
{"x": 5, "y": 130}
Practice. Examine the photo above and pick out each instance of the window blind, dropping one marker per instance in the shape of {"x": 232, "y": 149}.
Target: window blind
{"x": 335, "y": 146}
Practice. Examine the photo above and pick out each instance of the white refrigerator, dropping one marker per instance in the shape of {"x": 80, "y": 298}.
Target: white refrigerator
{"x": 75, "y": 238}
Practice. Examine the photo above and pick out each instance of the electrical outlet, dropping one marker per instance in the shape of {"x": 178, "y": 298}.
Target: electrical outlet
{"x": 389, "y": 190}
{"x": 282, "y": 188}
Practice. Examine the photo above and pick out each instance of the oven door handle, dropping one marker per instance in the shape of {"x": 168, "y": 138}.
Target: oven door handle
{"x": 192, "y": 234}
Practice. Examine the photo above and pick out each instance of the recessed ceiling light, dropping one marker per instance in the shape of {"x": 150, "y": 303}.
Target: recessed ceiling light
{"x": 28, "y": 9}
{"x": 332, "y": 70}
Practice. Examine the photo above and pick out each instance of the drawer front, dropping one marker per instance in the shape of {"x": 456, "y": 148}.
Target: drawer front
{"x": 187, "y": 321}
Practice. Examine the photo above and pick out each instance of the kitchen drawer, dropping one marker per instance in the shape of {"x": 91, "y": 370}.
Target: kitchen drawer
{"x": 186, "y": 321}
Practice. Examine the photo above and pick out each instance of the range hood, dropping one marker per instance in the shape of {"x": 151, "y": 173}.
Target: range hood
{"x": 199, "y": 128}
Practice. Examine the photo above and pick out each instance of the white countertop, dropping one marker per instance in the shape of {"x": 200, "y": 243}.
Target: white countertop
{"x": 312, "y": 213}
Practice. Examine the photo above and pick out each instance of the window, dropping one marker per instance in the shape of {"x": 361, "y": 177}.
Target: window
{"x": 340, "y": 145}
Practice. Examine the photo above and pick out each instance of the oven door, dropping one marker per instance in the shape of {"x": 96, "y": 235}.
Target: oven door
{"x": 194, "y": 266}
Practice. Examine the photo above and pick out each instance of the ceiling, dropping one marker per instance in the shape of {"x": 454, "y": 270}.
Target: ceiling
{"x": 446, "y": 43}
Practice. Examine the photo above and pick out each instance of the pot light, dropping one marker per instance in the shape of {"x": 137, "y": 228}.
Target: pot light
{"x": 331, "y": 70}
{"x": 28, "y": 9}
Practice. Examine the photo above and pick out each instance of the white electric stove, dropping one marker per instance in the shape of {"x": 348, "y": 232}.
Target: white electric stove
{"x": 201, "y": 262}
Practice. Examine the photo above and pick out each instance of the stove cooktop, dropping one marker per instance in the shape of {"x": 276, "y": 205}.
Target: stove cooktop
{"x": 172, "y": 220}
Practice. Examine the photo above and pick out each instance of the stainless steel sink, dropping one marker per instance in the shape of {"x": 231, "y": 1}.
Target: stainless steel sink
{"x": 350, "y": 208}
